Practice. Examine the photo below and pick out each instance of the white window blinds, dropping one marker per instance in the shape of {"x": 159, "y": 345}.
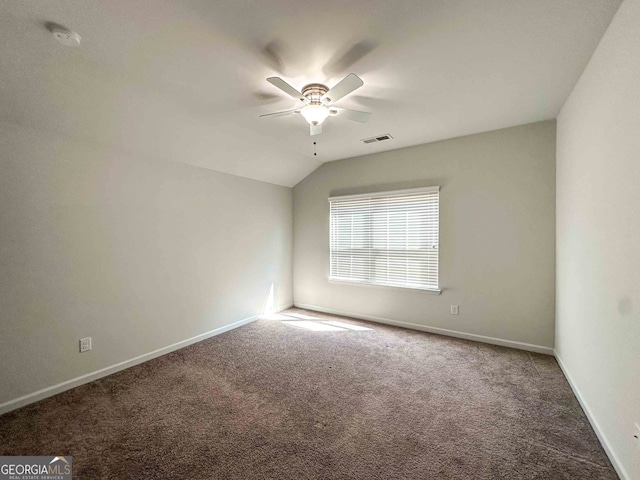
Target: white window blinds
{"x": 388, "y": 238}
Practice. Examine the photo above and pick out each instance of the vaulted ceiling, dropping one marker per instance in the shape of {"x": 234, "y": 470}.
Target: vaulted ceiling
{"x": 184, "y": 81}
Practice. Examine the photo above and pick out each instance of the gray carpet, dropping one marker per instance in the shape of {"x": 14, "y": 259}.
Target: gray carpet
{"x": 278, "y": 399}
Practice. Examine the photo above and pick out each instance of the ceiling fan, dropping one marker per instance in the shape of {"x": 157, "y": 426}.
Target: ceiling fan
{"x": 319, "y": 100}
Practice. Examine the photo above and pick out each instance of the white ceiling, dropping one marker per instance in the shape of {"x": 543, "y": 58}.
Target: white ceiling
{"x": 185, "y": 80}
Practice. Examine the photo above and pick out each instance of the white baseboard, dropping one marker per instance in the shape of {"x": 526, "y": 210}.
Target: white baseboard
{"x": 278, "y": 309}
{"x": 440, "y": 331}
{"x": 620, "y": 470}
{"x": 103, "y": 372}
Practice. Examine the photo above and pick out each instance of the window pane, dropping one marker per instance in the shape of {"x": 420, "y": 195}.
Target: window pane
{"x": 386, "y": 239}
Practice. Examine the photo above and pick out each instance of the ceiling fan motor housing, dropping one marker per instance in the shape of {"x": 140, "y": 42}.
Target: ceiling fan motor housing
{"x": 314, "y": 92}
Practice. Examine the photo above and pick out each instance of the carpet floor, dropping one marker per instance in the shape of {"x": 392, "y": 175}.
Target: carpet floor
{"x": 304, "y": 395}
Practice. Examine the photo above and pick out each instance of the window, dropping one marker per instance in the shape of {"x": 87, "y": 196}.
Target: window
{"x": 388, "y": 238}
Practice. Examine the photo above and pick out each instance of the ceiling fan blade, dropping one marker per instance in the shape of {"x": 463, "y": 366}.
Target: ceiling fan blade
{"x": 344, "y": 87}
{"x": 315, "y": 129}
{"x": 286, "y": 88}
{"x": 355, "y": 115}
{"x": 280, "y": 114}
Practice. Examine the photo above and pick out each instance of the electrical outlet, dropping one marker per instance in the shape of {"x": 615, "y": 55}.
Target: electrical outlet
{"x": 636, "y": 436}
{"x": 85, "y": 344}
{"x": 454, "y": 310}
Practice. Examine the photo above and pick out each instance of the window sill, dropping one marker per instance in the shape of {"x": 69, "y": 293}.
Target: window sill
{"x": 406, "y": 289}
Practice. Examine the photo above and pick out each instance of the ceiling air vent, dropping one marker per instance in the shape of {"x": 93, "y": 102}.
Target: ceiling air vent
{"x": 379, "y": 138}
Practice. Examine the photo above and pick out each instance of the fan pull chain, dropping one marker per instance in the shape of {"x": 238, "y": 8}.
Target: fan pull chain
{"x": 315, "y": 153}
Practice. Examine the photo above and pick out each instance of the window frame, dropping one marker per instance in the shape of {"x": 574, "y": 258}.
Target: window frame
{"x": 434, "y": 290}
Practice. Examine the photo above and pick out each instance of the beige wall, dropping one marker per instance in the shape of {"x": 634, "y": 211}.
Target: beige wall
{"x": 598, "y": 238}
{"x": 497, "y": 234}
{"x": 137, "y": 254}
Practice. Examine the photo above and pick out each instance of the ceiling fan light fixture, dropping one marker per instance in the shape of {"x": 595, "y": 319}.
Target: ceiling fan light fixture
{"x": 315, "y": 114}
{"x": 319, "y": 100}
